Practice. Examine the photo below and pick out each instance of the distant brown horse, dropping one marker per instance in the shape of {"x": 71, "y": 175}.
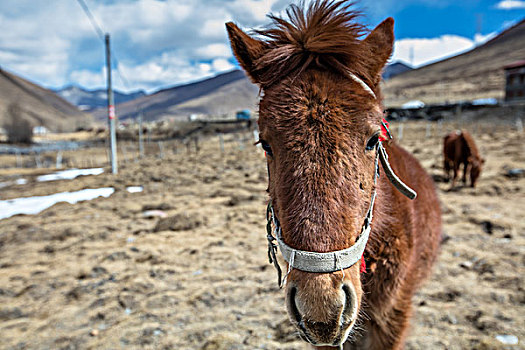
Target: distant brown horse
{"x": 320, "y": 121}
{"x": 459, "y": 148}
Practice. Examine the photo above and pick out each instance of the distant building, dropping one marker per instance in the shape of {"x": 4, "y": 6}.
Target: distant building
{"x": 515, "y": 81}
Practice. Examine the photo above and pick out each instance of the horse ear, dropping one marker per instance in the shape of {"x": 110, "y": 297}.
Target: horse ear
{"x": 246, "y": 49}
{"x": 380, "y": 44}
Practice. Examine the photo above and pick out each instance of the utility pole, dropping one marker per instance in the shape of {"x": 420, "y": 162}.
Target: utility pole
{"x": 111, "y": 111}
{"x": 479, "y": 27}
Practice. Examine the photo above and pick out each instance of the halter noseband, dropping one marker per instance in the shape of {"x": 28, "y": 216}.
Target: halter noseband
{"x": 341, "y": 259}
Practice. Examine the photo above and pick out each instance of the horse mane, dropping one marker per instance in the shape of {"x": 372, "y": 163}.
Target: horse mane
{"x": 470, "y": 144}
{"x": 325, "y": 36}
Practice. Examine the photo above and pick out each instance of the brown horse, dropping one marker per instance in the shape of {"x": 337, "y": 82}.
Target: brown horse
{"x": 320, "y": 119}
{"x": 459, "y": 148}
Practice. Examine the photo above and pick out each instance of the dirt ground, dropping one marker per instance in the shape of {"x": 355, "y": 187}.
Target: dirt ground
{"x": 109, "y": 274}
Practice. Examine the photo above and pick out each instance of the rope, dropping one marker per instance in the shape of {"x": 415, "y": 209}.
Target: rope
{"x": 396, "y": 181}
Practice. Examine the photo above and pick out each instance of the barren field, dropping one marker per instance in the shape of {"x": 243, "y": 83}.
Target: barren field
{"x": 112, "y": 273}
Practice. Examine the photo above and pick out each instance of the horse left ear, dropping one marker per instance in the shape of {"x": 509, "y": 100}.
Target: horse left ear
{"x": 380, "y": 44}
{"x": 246, "y": 49}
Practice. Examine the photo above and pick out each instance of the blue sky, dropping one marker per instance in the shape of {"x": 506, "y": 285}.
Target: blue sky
{"x": 162, "y": 43}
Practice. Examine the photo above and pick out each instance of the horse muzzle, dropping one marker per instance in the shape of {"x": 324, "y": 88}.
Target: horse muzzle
{"x": 324, "y": 316}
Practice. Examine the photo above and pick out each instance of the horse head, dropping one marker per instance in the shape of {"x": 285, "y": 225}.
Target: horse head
{"x": 320, "y": 120}
{"x": 476, "y": 164}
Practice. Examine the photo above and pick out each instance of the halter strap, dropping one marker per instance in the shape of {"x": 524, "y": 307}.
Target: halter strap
{"x": 362, "y": 83}
{"x": 331, "y": 261}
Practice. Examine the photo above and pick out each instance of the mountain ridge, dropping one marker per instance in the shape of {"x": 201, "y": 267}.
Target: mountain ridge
{"x": 223, "y": 93}
{"x": 88, "y": 100}
{"x": 471, "y": 75}
{"x": 38, "y": 105}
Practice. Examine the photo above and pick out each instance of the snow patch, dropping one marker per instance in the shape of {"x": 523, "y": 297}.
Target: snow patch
{"x": 36, "y": 204}
{"x": 413, "y": 104}
{"x": 69, "y": 174}
{"x": 134, "y": 189}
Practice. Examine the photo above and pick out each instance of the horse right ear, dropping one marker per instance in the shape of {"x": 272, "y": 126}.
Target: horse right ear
{"x": 246, "y": 49}
{"x": 380, "y": 42}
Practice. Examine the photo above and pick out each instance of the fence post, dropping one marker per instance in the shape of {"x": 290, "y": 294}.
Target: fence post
{"x": 196, "y": 141}
{"x": 400, "y": 131}
{"x": 141, "y": 137}
{"x": 38, "y": 162}
{"x": 124, "y": 155}
{"x": 428, "y": 130}
{"x": 221, "y": 142}
{"x": 161, "y": 149}
{"x": 18, "y": 159}
{"x": 59, "y": 160}
{"x": 241, "y": 142}
{"x": 519, "y": 125}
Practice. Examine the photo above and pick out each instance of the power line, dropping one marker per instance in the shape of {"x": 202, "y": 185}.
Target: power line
{"x": 94, "y": 23}
{"x": 100, "y": 33}
{"x": 123, "y": 79}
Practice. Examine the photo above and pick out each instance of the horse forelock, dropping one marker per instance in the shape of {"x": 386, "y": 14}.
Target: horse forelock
{"x": 326, "y": 35}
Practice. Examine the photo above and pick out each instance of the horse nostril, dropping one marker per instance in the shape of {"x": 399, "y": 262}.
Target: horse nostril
{"x": 348, "y": 311}
{"x": 292, "y": 292}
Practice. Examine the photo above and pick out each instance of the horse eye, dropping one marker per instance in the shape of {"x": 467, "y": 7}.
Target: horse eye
{"x": 266, "y": 147}
{"x": 372, "y": 142}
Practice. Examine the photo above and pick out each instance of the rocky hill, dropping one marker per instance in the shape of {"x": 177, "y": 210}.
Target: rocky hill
{"x": 40, "y": 106}
{"x": 395, "y": 68}
{"x": 224, "y": 93}
{"x": 472, "y": 75}
{"x": 88, "y": 100}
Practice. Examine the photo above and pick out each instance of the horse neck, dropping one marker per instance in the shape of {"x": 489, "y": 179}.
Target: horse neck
{"x": 470, "y": 145}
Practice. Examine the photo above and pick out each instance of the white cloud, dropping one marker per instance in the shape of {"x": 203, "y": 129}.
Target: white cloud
{"x": 167, "y": 69}
{"x": 35, "y": 47}
{"x": 214, "y": 50}
{"x": 510, "y": 4}
{"x": 481, "y": 39}
{"x": 221, "y": 65}
{"x": 88, "y": 78}
{"x": 158, "y": 42}
{"x": 425, "y": 51}
{"x": 214, "y": 28}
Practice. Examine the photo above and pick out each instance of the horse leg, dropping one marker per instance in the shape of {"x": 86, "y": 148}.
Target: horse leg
{"x": 456, "y": 169}
{"x": 446, "y": 167}
{"x": 465, "y": 169}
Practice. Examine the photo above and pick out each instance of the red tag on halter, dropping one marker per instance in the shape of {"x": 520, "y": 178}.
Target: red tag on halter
{"x": 363, "y": 264}
{"x": 384, "y": 131}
